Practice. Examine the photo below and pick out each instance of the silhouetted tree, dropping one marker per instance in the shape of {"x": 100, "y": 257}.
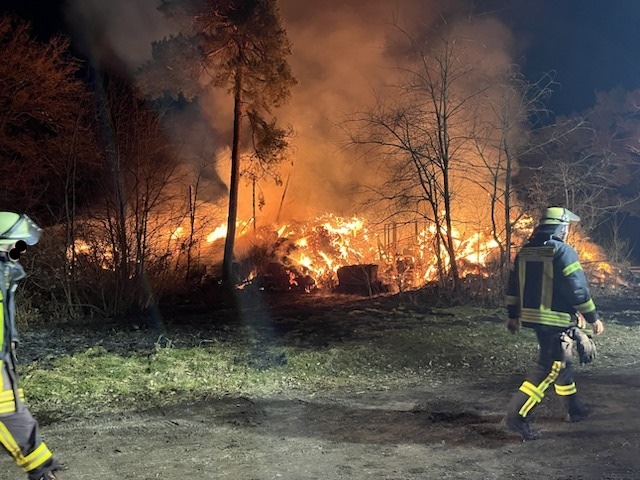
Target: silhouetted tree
{"x": 46, "y": 146}
{"x": 418, "y": 135}
{"x": 138, "y": 197}
{"x": 240, "y": 45}
{"x": 515, "y": 124}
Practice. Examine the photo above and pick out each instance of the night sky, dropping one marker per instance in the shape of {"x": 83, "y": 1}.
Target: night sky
{"x": 591, "y": 44}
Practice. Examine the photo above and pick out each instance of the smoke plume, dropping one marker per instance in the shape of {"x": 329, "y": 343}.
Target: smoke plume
{"x": 343, "y": 52}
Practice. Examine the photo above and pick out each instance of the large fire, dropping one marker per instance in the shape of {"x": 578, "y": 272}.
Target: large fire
{"x": 314, "y": 254}
{"x": 310, "y": 254}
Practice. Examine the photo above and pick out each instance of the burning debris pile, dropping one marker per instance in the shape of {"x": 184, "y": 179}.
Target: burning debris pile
{"x": 344, "y": 255}
{"x": 304, "y": 256}
{"x": 334, "y": 254}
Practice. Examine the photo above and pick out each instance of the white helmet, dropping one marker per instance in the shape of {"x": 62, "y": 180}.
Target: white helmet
{"x": 558, "y": 216}
{"x": 15, "y": 227}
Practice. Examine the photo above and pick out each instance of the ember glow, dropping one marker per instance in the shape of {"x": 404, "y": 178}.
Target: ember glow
{"x": 318, "y": 248}
{"x": 406, "y": 255}
{"x": 304, "y": 256}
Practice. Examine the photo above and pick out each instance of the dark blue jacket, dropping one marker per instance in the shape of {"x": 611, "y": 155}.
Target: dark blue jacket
{"x": 547, "y": 285}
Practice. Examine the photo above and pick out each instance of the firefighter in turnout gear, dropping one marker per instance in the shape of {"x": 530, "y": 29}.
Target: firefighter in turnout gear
{"x": 18, "y": 429}
{"x": 548, "y": 291}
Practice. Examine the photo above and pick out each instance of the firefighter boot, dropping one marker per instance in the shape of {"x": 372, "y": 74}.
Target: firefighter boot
{"x": 47, "y": 476}
{"x": 519, "y": 424}
{"x": 576, "y": 410}
{"x": 48, "y": 471}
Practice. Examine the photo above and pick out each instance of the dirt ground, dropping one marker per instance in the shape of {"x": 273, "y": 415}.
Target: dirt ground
{"x": 450, "y": 430}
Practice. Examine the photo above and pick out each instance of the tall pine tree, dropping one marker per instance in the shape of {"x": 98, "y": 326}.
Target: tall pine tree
{"x": 240, "y": 45}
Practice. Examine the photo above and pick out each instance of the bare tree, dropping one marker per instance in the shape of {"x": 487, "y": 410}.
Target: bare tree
{"x": 417, "y": 136}
{"x": 44, "y": 120}
{"x": 501, "y": 137}
{"x": 593, "y": 170}
{"x": 138, "y": 196}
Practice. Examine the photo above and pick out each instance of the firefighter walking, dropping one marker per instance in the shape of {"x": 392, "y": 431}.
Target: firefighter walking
{"x": 18, "y": 429}
{"x": 548, "y": 292}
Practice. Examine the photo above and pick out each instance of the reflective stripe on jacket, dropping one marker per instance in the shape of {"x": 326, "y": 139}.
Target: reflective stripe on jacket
{"x": 547, "y": 285}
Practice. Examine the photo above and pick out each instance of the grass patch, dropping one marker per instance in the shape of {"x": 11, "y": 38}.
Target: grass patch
{"x": 404, "y": 348}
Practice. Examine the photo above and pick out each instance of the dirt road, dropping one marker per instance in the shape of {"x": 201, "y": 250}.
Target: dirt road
{"x": 424, "y": 432}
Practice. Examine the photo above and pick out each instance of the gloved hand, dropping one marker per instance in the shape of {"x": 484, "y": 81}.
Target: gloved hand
{"x": 597, "y": 327}
{"x": 584, "y": 344}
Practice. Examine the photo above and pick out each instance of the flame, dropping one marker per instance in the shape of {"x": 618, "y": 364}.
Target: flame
{"x": 218, "y": 233}
{"x": 321, "y": 246}
{"x": 308, "y": 255}
{"x": 177, "y": 233}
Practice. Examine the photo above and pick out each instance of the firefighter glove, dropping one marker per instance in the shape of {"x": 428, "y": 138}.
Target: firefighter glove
{"x": 584, "y": 344}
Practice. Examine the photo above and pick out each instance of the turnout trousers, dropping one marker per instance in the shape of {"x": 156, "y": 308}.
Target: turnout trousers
{"x": 553, "y": 367}
{"x": 19, "y": 433}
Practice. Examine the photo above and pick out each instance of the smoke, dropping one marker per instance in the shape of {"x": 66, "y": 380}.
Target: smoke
{"x": 117, "y": 30}
{"x": 343, "y": 52}
{"x": 341, "y": 56}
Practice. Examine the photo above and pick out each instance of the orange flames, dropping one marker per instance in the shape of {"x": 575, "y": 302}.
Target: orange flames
{"x": 308, "y": 255}
{"x": 407, "y": 254}
{"x": 318, "y": 248}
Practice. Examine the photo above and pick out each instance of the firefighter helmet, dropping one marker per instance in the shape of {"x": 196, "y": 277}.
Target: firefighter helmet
{"x": 15, "y": 227}
{"x": 558, "y": 216}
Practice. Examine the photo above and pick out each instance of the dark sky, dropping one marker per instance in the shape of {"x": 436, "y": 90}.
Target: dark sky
{"x": 591, "y": 44}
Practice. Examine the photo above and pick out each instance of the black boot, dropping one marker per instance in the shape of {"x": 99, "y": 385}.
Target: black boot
{"x": 576, "y": 410}
{"x": 519, "y": 424}
{"x": 47, "y": 471}
{"x": 48, "y": 476}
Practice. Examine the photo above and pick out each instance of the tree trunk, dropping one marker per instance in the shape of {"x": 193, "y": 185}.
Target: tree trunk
{"x": 227, "y": 263}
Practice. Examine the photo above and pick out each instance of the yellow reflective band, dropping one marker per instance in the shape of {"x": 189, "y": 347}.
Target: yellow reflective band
{"x": 10, "y": 443}
{"x": 530, "y": 389}
{"x": 569, "y": 269}
{"x": 8, "y": 396}
{"x": 536, "y": 394}
{"x": 546, "y": 290}
{"x": 546, "y": 317}
{"x": 586, "y": 307}
{"x": 555, "y": 371}
{"x": 566, "y": 390}
{"x": 35, "y": 458}
{"x": 8, "y": 401}
{"x": 512, "y": 300}
{"x": 526, "y": 408}
{"x": 521, "y": 279}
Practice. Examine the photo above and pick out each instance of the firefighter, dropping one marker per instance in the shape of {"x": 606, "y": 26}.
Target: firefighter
{"x": 548, "y": 291}
{"x": 18, "y": 429}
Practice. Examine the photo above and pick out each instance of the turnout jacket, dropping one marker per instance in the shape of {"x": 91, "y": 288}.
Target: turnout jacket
{"x": 10, "y": 273}
{"x": 547, "y": 285}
